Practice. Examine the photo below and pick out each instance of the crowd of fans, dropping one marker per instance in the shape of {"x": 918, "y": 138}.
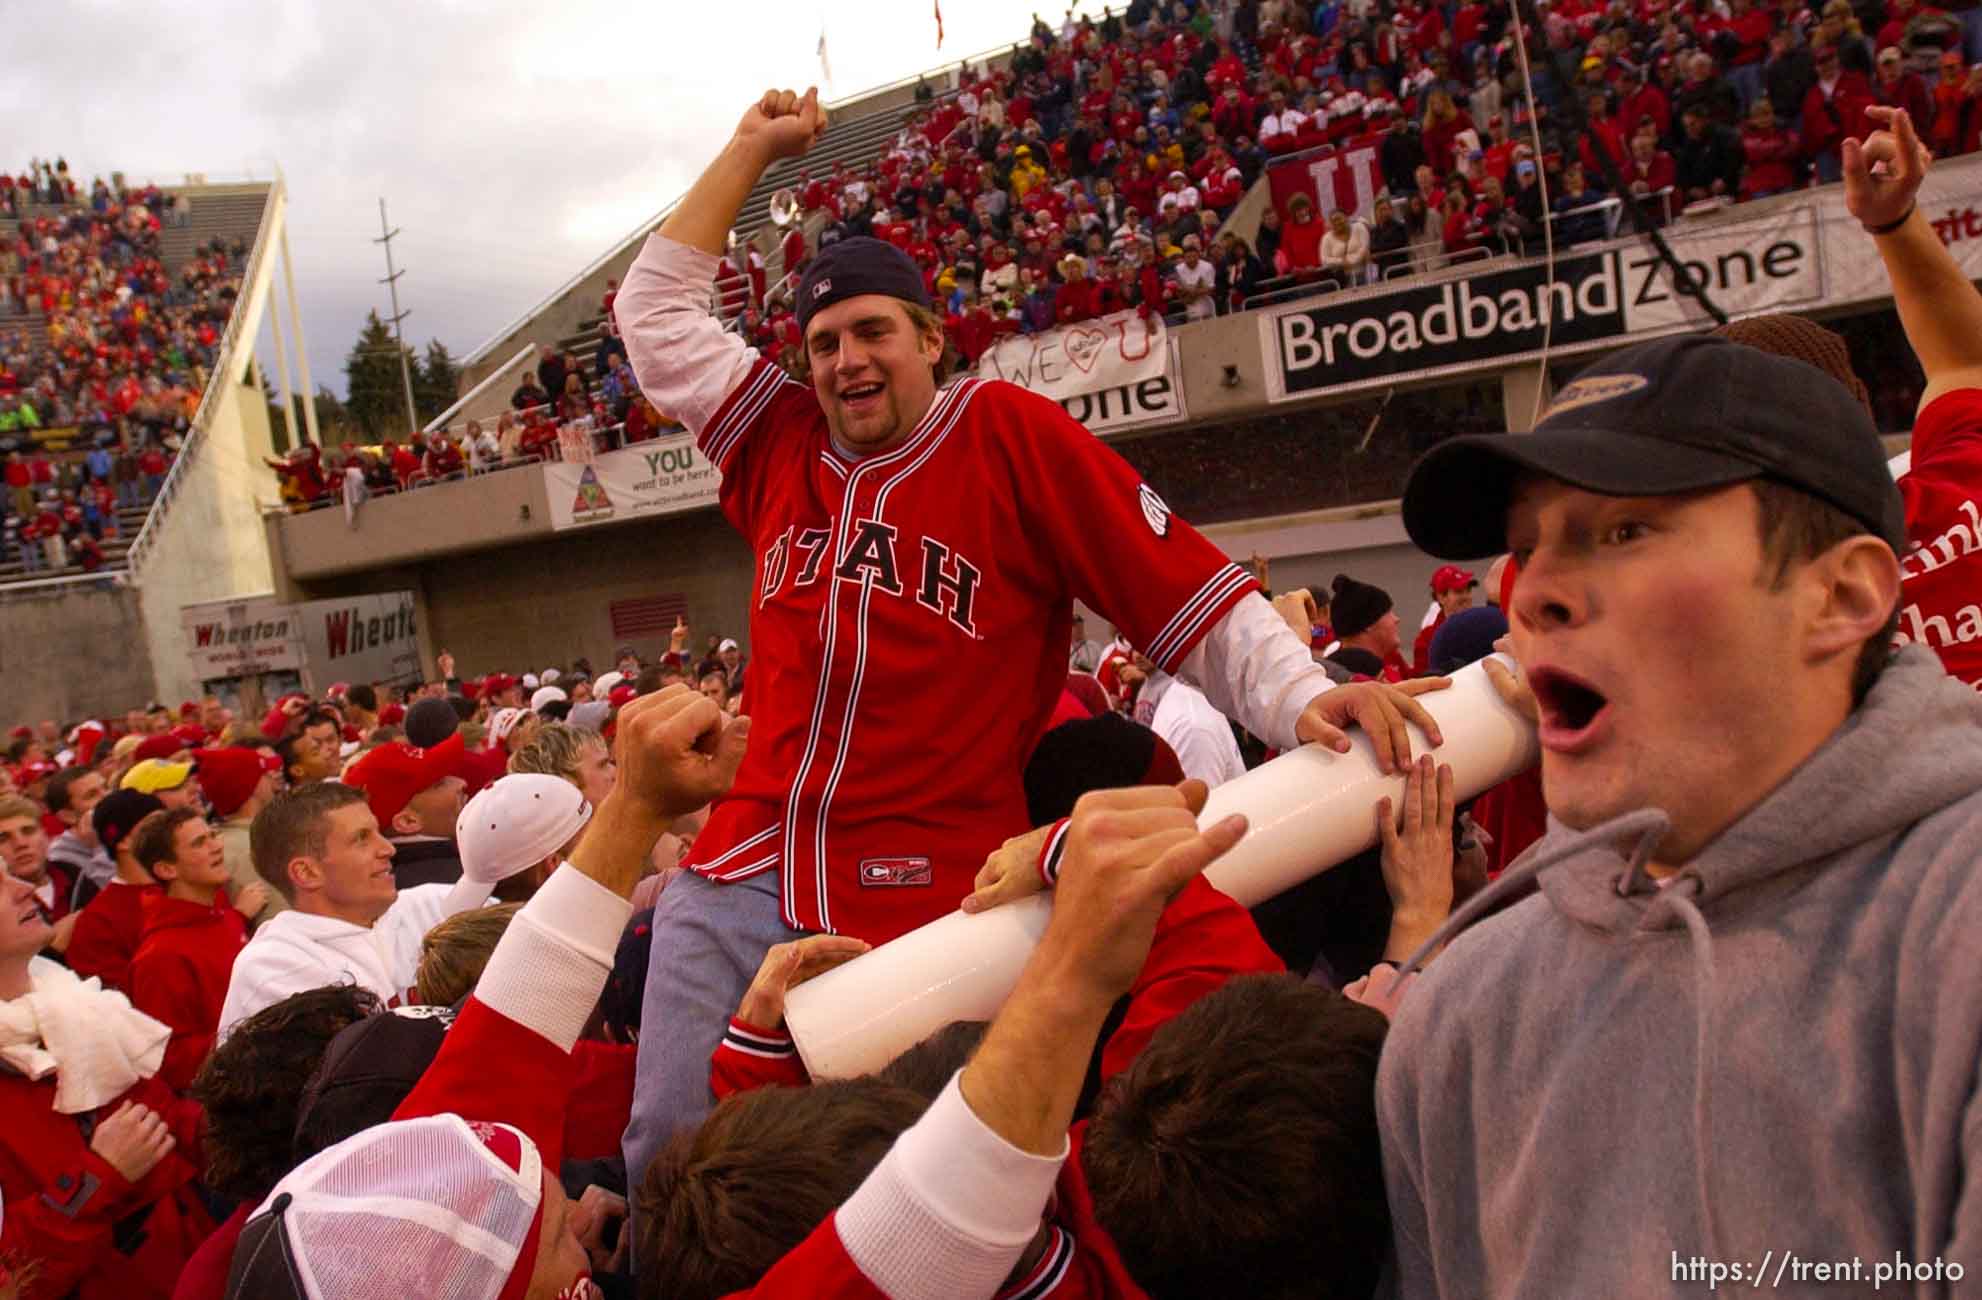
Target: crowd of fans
{"x": 105, "y": 362}
{"x": 564, "y": 404}
{"x": 1095, "y": 171}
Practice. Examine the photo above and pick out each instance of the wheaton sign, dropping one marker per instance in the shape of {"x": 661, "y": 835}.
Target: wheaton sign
{"x": 1348, "y": 341}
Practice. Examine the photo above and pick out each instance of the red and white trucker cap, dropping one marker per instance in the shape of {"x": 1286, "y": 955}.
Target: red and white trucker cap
{"x": 442, "y": 1208}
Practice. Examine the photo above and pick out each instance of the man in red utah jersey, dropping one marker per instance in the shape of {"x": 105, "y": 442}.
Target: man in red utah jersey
{"x": 905, "y": 533}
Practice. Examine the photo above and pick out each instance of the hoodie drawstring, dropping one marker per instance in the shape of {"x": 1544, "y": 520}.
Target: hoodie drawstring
{"x": 1647, "y": 824}
{"x": 1679, "y": 897}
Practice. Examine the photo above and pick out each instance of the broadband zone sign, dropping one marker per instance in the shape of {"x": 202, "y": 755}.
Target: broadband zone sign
{"x": 1360, "y": 340}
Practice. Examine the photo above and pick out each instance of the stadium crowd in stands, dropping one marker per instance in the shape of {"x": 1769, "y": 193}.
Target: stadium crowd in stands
{"x": 1096, "y": 170}
{"x": 101, "y": 377}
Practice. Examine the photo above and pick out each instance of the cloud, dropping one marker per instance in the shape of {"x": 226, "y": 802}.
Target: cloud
{"x": 513, "y": 144}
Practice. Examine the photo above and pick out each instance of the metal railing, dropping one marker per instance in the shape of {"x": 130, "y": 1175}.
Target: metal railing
{"x": 221, "y": 374}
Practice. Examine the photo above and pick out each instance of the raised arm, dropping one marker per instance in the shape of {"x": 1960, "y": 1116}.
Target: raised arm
{"x": 1938, "y": 307}
{"x": 683, "y": 359}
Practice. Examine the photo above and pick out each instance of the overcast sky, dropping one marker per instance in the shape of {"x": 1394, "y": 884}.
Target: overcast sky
{"x": 512, "y": 143}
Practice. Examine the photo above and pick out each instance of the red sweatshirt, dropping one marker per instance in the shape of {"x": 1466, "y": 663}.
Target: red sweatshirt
{"x": 180, "y": 974}
{"x": 66, "y": 1207}
{"x": 108, "y": 932}
{"x": 1203, "y": 940}
{"x": 1939, "y": 581}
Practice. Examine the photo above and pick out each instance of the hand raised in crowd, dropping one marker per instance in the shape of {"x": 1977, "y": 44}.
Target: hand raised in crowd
{"x": 600, "y": 1215}
{"x": 788, "y": 965}
{"x": 133, "y": 1140}
{"x": 1417, "y": 855}
{"x": 783, "y": 123}
{"x": 677, "y": 751}
{"x": 678, "y": 636}
{"x": 1882, "y": 174}
{"x": 1381, "y": 710}
{"x": 1128, "y": 853}
{"x": 1299, "y": 610}
{"x": 252, "y": 898}
{"x": 1010, "y": 873}
{"x": 445, "y": 662}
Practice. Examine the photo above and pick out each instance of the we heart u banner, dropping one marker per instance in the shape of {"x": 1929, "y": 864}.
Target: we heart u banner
{"x": 1111, "y": 374}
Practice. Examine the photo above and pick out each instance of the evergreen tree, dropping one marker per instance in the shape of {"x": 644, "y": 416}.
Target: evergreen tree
{"x": 436, "y": 381}
{"x": 374, "y": 398}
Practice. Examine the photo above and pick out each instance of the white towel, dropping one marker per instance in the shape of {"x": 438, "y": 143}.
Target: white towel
{"x": 89, "y": 1037}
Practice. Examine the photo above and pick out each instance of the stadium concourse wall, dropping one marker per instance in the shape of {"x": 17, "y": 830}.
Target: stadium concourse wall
{"x": 515, "y": 566}
{"x": 203, "y": 540}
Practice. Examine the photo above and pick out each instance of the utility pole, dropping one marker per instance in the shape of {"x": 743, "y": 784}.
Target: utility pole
{"x": 391, "y": 282}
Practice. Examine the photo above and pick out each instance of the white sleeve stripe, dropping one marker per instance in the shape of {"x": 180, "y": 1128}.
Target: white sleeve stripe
{"x": 730, "y": 1042}
{"x": 773, "y": 1041}
{"x": 1196, "y": 615}
{"x": 1056, "y": 847}
{"x": 722, "y": 435}
{"x": 1052, "y": 1269}
{"x": 1183, "y": 613}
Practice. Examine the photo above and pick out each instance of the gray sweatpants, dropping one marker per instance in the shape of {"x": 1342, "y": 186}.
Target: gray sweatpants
{"x": 708, "y": 943}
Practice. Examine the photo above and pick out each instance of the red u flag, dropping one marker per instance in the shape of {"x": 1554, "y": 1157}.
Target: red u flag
{"x": 1349, "y": 177}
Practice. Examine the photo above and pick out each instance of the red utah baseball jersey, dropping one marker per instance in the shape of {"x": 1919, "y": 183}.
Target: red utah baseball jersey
{"x": 908, "y": 634}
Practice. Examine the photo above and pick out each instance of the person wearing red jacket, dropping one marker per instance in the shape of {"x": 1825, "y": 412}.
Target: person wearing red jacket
{"x": 191, "y": 937}
{"x": 1942, "y": 315}
{"x": 1075, "y": 301}
{"x": 477, "y": 1145}
{"x": 109, "y": 929}
{"x": 1896, "y": 87}
{"x": 93, "y": 1142}
{"x": 1770, "y": 153}
{"x": 1833, "y": 112}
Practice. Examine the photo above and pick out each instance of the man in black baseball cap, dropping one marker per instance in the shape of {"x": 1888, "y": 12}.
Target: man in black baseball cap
{"x": 1753, "y": 798}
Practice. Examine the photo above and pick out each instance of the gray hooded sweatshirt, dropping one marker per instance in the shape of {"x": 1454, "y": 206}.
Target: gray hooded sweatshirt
{"x": 1770, "y": 1062}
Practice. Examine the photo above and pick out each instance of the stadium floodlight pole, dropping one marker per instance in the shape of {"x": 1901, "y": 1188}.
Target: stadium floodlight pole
{"x": 391, "y": 282}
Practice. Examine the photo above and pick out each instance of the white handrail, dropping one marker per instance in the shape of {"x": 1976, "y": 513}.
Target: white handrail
{"x": 523, "y": 354}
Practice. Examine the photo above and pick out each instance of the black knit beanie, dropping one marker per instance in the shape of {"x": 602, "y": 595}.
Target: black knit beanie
{"x": 1356, "y": 605}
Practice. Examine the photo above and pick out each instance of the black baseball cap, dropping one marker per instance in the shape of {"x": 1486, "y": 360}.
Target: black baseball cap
{"x": 856, "y": 266}
{"x": 1681, "y": 414}
{"x": 369, "y": 1068}
{"x": 118, "y": 813}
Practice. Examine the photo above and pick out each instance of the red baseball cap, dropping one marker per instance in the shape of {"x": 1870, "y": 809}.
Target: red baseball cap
{"x": 1451, "y": 577}
{"x": 35, "y": 769}
{"x": 496, "y": 682}
{"x": 620, "y": 696}
{"x": 392, "y": 774}
{"x": 391, "y": 715}
{"x": 163, "y": 745}
{"x": 190, "y": 733}
{"x": 229, "y": 776}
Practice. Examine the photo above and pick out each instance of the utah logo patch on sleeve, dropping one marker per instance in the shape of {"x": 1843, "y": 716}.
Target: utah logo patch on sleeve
{"x": 1155, "y": 512}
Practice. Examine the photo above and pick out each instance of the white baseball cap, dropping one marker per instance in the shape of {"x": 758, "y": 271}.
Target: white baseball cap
{"x": 502, "y": 722}
{"x": 729, "y": 643}
{"x": 530, "y": 681}
{"x": 517, "y": 821}
{"x": 546, "y": 695}
{"x": 549, "y": 675}
{"x": 604, "y": 683}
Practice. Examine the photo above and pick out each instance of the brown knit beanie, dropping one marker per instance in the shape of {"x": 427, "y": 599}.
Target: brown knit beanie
{"x": 1800, "y": 340}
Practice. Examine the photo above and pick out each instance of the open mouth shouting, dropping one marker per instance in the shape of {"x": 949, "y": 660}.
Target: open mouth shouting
{"x": 1575, "y": 715}
{"x": 862, "y": 398}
